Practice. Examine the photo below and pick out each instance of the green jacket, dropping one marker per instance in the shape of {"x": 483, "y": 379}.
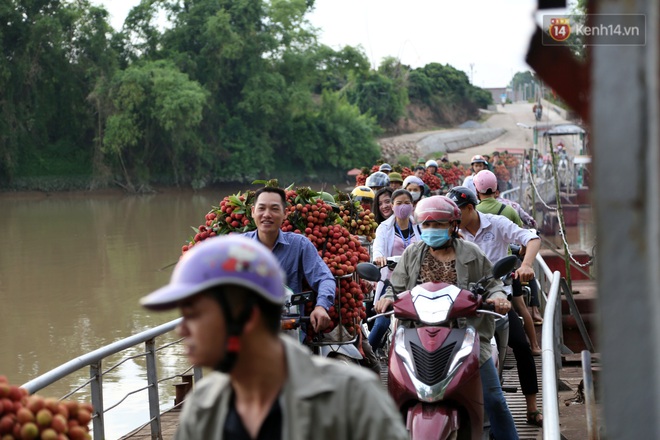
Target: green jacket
{"x": 471, "y": 266}
{"x": 492, "y": 206}
{"x": 321, "y": 399}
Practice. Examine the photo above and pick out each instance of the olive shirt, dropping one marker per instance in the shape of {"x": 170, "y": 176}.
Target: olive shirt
{"x": 491, "y": 206}
{"x": 321, "y": 400}
{"x": 471, "y": 266}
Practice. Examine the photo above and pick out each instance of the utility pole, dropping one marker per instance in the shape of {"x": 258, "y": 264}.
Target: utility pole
{"x": 472, "y": 73}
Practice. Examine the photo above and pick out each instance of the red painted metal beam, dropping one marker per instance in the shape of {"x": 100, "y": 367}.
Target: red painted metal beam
{"x": 562, "y": 71}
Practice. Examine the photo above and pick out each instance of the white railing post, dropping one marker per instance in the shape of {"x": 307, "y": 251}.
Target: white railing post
{"x": 152, "y": 381}
{"x": 96, "y": 374}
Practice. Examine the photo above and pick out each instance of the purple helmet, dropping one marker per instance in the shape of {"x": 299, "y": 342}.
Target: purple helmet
{"x": 222, "y": 260}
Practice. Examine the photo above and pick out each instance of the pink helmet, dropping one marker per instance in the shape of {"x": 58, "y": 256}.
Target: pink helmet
{"x": 484, "y": 181}
{"x": 437, "y": 209}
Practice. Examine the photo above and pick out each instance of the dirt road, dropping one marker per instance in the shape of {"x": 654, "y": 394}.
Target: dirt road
{"x": 516, "y": 136}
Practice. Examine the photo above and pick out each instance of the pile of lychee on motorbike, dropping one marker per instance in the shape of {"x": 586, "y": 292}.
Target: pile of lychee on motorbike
{"x": 332, "y": 342}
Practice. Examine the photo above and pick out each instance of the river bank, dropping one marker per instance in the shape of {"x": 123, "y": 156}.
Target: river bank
{"x": 116, "y": 191}
{"x": 410, "y": 146}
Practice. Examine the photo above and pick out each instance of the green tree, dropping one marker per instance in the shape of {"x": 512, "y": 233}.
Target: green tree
{"x": 481, "y": 97}
{"x": 345, "y": 135}
{"x": 577, "y": 42}
{"x": 526, "y": 80}
{"x": 156, "y": 112}
{"x": 52, "y": 53}
{"x": 260, "y": 64}
{"x": 335, "y": 70}
{"x": 446, "y": 90}
{"x": 379, "y": 95}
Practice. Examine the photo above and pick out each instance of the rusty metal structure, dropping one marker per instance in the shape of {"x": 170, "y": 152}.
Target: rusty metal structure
{"x": 615, "y": 93}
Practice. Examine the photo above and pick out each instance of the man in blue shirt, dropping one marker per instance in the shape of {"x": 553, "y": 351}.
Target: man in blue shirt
{"x": 296, "y": 254}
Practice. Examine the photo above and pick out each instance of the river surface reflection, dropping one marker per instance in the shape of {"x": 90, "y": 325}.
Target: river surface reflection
{"x": 72, "y": 269}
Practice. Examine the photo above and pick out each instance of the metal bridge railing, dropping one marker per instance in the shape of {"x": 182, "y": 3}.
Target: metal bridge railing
{"x": 94, "y": 361}
{"x": 550, "y": 343}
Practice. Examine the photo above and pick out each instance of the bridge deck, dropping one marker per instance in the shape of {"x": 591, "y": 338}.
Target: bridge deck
{"x": 572, "y": 417}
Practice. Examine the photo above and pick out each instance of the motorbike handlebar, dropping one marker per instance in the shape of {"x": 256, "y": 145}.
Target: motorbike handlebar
{"x": 391, "y": 312}
{"x": 489, "y": 309}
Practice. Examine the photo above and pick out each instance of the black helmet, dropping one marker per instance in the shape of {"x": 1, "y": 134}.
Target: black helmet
{"x": 462, "y": 195}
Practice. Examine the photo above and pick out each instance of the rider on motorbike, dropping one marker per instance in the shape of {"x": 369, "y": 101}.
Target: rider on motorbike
{"x": 442, "y": 256}
{"x": 493, "y": 234}
{"x": 393, "y": 236}
{"x": 363, "y": 195}
{"x": 295, "y": 253}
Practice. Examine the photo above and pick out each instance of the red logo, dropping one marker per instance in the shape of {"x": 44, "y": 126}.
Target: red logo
{"x": 560, "y": 29}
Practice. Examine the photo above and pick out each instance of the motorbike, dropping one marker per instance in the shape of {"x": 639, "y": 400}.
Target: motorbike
{"x": 337, "y": 344}
{"x": 433, "y": 373}
{"x": 538, "y": 113}
{"x": 385, "y": 341}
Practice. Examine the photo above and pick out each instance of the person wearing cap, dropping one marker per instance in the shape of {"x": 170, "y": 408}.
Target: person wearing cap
{"x": 415, "y": 186}
{"x": 419, "y": 171}
{"x": 377, "y": 181}
{"x": 296, "y": 254}
{"x": 364, "y": 196}
{"x": 485, "y": 183}
{"x": 477, "y": 163}
{"x": 230, "y": 292}
{"x": 493, "y": 233}
{"x": 432, "y": 168}
{"x": 395, "y": 180}
{"x": 385, "y": 168}
{"x": 485, "y": 187}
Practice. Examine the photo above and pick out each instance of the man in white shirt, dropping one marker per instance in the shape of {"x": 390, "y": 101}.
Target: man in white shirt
{"x": 493, "y": 234}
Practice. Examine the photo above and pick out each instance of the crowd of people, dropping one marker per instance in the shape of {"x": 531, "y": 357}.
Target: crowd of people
{"x": 230, "y": 292}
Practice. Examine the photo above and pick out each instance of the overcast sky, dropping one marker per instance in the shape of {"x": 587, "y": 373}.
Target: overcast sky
{"x": 492, "y": 36}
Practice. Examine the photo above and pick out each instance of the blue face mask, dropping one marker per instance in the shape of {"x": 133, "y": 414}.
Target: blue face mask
{"x": 435, "y": 237}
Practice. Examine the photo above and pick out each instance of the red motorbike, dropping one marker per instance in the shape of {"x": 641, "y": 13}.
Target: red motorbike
{"x": 433, "y": 369}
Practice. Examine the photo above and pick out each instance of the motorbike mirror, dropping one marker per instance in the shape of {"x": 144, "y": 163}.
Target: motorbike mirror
{"x": 368, "y": 271}
{"x": 505, "y": 266}
{"x": 300, "y": 298}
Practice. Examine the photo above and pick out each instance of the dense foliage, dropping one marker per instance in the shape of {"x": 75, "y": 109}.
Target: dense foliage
{"x": 227, "y": 90}
{"x": 442, "y": 88}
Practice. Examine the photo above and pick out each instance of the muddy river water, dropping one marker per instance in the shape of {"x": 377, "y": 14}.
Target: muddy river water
{"x": 72, "y": 270}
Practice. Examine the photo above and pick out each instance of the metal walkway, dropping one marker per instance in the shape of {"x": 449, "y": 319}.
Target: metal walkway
{"x": 516, "y": 400}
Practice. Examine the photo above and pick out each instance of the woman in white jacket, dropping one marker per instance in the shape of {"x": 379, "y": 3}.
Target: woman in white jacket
{"x": 393, "y": 236}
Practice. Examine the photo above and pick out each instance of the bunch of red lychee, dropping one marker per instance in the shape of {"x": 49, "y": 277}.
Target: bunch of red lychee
{"x": 25, "y": 417}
